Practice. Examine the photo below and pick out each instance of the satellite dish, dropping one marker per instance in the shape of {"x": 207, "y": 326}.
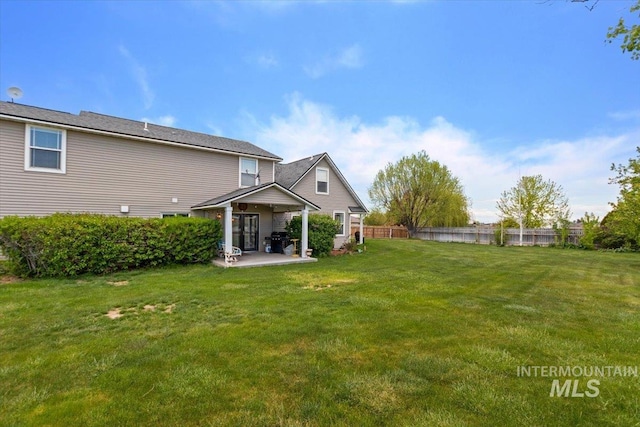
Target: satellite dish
{"x": 14, "y": 93}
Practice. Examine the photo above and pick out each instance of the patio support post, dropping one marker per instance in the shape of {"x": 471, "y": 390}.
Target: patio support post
{"x": 304, "y": 244}
{"x": 228, "y": 233}
{"x": 361, "y": 229}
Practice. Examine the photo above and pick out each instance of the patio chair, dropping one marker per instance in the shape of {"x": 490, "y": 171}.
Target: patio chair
{"x": 231, "y": 256}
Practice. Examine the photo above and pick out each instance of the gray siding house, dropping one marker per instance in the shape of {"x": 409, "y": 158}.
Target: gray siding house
{"x": 51, "y": 161}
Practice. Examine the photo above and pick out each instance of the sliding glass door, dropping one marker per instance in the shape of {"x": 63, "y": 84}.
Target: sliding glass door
{"x": 245, "y": 231}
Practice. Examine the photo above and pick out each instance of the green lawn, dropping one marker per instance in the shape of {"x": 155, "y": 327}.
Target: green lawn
{"x": 408, "y": 333}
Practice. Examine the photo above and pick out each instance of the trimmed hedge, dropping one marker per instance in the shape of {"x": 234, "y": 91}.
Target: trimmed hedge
{"x": 322, "y": 231}
{"x": 72, "y": 244}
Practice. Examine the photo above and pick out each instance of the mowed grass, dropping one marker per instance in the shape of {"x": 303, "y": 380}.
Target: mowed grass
{"x": 408, "y": 333}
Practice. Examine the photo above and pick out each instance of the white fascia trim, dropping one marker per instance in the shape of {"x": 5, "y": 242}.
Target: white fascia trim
{"x": 338, "y": 173}
{"x": 273, "y": 184}
{"x": 131, "y": 137}
{"x": 309, "y": 170}
{"x": 345, "y": 182}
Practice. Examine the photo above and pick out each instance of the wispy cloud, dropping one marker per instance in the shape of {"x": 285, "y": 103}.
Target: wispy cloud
{"x": 625, "y": 115}
{"x": 265, "y": 60}
{"x": 351, "y": 57}
{"x": 140, "y": 76}
{"x": 167, "y": 120}
{"x": 361, "y": 149}
{"x": 235, "y": 15}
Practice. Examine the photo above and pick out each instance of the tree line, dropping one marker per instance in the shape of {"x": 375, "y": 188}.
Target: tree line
{"x": 420, "y": 192}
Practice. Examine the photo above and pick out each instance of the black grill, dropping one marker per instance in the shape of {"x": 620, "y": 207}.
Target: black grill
{"x": 279, "y": 241}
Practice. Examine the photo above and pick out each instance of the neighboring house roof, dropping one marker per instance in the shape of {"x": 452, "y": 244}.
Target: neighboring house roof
{"x": 89, "y": 121}
{"x": 244, "y": 192}
{"x": 290, "y": 174}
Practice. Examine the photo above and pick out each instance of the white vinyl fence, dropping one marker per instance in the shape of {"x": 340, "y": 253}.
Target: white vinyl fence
{"x": 491, "y": 235}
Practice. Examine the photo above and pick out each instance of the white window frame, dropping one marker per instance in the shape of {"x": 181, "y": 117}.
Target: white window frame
{"x": 175, "y": 214}
{"x": 28, "y": 147}
{"x": 344, "y": 221}
{"x": 240, "y": 171}
{"x": 327, "y": 171}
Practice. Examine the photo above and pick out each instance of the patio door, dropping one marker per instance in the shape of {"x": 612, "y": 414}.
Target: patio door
{"x": 245, "y": 231}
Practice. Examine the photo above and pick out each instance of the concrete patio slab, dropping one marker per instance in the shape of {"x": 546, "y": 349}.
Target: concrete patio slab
{"x": 261, "y": 259}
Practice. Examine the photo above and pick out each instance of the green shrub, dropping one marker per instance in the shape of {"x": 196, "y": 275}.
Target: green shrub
{"x": 322, "y": 231}
{"x": 562, "y": 234}
{"x": 590, "y": 230}
{"x": 611, "y": 235}
{"x": 72, "y": 244}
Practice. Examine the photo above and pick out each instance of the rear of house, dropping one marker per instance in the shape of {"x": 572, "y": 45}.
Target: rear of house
{"x": 52, "y": 161}
{"x": 58, "y": 162}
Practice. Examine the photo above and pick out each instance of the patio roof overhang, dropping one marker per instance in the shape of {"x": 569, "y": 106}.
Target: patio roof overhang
{"x": 270, "y": 193}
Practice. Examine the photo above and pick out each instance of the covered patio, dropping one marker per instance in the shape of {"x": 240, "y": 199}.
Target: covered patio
{"x": 248, "y": 218}
{"x": 262, "y": 259}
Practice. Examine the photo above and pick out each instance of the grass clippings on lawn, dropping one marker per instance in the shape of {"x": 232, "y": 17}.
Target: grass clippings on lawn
{"x": 407, "y": 333}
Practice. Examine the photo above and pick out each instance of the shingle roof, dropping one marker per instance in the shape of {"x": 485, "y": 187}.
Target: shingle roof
{"x": 238, "y": 194}
{"x": 230, "y": 196}
{"x": 100, "y": 122}
{"x": 289, "y": 173}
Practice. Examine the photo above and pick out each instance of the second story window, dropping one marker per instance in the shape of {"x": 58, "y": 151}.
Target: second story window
{"x": 45, "y": 150}
{"x": 322, "y": 181}
{"x": 248, "y": 172}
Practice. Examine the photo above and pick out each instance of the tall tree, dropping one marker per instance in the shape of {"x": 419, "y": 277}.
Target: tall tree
{"x": 376, "y": 217}
{"x": 631, "y": 33}
{"x": 626, "y": 212}
{"x": 420, "y": 192}
{"x": 534, "y": 203}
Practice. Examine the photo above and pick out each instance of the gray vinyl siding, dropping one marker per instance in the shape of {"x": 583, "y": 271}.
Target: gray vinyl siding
{"x": 338, "y": 199}
{"x": 105, "y": 172}
{"x": 271, "y": 196}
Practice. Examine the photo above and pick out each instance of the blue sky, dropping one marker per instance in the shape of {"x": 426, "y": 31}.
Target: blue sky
{"x": 492, "y": 89}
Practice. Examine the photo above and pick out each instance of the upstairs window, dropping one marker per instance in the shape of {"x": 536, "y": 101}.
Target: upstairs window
{"x": 248, "y": 172}
{"x": 45, "y": 149}
{"x": 322, "y": 181}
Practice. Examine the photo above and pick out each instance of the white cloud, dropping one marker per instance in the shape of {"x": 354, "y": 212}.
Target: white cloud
{"x": 264, "y": 60}
{"x": 361, "y": 149}
{"x": 349, "y": 58}
{"x": 625, "y": 115}
{"x": 215, "y": 130}
{"x": 140, "y": 76}
{"x": 167, "y": 120}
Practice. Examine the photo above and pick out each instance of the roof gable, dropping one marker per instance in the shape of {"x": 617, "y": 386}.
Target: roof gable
{"x": 290, "y": 174}
{"x": 244, "y": 193}
{"x": 130, "y": 128}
